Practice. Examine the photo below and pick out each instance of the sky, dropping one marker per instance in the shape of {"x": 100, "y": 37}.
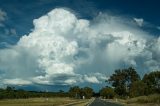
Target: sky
{"x": 55, "y": 44}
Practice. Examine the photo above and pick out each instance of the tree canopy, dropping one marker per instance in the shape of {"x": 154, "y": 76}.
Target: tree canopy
{"x": 127, "y": 82}
{"x": 122, "y": 79}
{"x": 107, "y": 92}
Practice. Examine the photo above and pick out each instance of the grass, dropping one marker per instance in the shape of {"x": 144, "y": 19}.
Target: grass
{"x": 145, "y": 99}
{"x": 151, "y": 100}
{"x": 39, "y": 102}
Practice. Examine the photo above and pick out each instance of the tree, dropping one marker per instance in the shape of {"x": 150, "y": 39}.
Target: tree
{"x": 107, "y": 92}
{"x": 9, "y": 89}
{"x": 122, "y": 79}
{"x": 78, "y": 93}
{"x": 88, "y": 92}
{"x": 138, "y": 88}
{"x": 153, "y": 82}
{"x": 75, "y": 92}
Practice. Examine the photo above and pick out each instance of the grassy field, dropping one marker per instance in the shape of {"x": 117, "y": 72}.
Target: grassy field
{"x": 42, "y": 102}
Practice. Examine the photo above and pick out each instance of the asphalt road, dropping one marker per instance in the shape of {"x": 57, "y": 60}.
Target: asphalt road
{"x": 99, "y": 102}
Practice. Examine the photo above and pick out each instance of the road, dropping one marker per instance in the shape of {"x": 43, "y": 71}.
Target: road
{"x": 99, "y": 102}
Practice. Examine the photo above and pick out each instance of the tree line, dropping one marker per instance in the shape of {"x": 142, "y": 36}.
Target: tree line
{"x": 74, "y": 92}
{"x": 127, "y": 83}
{"x": 123, "y": 83}
{"x": 12, "y": 93}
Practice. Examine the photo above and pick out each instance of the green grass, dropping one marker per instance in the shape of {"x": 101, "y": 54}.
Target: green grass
{"x": 38, "y": 102}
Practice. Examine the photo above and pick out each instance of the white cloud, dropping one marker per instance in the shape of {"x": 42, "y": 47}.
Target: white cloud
{"x": 70, "y": 81}
{"x": 65, "y": 50}
{"x": 41, "y": 80}
{"x": 16, "y": 82}
{"x": 139, "y": 21}
{"x": 91, "y": 79}
{"x": 3, "y": 15}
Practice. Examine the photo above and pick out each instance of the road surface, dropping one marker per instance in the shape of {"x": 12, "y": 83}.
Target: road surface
{"x": 99, "y": 102}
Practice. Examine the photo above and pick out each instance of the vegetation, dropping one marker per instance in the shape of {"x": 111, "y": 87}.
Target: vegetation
{"x": 77, "y": 92}
{"x": 138, "y": 88}
{"x": 87, "y": 92}
{"x": 122, "y": 80}
{"x": 74, "y": 92}
{"x": 155, "y": 98}
{"x": 107, "y": 93}
{"x": 127, "y": 83}
{"x": 124, "y": 83}
{"x": 12, "y": 93}
{"x": 41, "y": 101}
{"x": 152, "y": 80}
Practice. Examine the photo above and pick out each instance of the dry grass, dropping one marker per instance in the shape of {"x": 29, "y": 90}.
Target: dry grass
{"x": 38, "y": 102}
{"x": 151, "y": 100}
{"x": 145, "y": 99}
{"x": 145, "y": 104}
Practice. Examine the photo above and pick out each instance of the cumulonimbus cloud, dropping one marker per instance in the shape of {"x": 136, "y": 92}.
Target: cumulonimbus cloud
{"x": 63, "y": 49}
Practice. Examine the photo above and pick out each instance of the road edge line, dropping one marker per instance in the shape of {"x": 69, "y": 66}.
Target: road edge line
{"x": 90, "y": 102}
